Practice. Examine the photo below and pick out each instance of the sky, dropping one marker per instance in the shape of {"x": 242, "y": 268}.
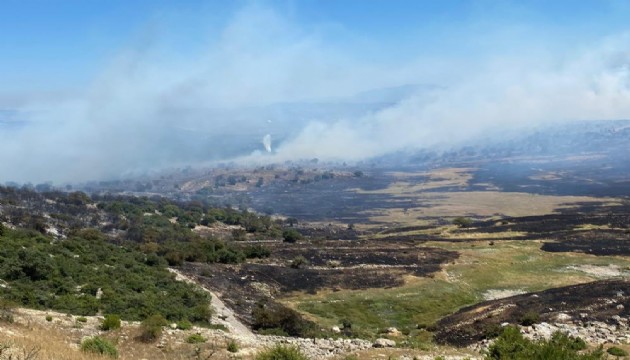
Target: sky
{"x": 95, "y": 82}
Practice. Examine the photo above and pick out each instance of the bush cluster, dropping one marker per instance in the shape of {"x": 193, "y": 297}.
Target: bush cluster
{"x": 281, "y": 352}
{"x": 275, "y": 319}
{"x": 111, "y": 322}
{"x": 511, "y": 345}
{"x": 151, "y": 328}
{"x": 98, "y": 345}
{"x": 65, "y": 275}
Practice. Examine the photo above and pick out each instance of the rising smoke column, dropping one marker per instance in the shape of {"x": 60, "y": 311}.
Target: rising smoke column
{"x": 266, "y": 141}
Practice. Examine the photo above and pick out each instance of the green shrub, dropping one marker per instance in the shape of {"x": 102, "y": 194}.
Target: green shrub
{"x": 492, "y": 330}
{"x": 111, "y": 322}
{"x": 151, "y": 327}
{"x": 232, "y": 346}
{"x": 511, "y": 345}
{"x": 530, "y": 318}
{"x": 291, "y": 235}
{"x": 98, "y": 345}
{"x": 196, "y": 339}
{"x": 82, "y": 319}
{"x": 49, "y": 318}
{"x": 281, "y": 352}
{"x": 275, "y": 318}
{"x": 184, "y": 325}
{"x": 462, "y": 222}
{"x": 615, "y": 351}
{"x": 299, "y": 262}
{"x": 256, "y": 251}
{"x": 7, "y": 309}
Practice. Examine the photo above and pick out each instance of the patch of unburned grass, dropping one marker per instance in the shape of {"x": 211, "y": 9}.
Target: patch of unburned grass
{"x": 585, "y": 227}
{"x": 478, "y": 204}
{"x": 506, "y": 265}
{"x": 373, "y": 310}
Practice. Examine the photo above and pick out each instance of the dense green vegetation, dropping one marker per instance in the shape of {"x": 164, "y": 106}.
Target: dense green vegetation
{"x": 615, "y": 351}
{"x": 66, "y": 275}
{"x": 98, "y": 345}
{"x": 86, "y": 254}
{"x": 511, "y": 345}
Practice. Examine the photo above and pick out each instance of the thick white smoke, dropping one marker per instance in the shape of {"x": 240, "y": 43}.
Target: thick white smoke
{"x": 124, "y": 121}
{"x": 592, "y": 85}
{"x": 266, "y": 141}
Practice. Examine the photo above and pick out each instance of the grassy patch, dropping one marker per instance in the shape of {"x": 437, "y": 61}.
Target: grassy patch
{"x": 481, "y": 267}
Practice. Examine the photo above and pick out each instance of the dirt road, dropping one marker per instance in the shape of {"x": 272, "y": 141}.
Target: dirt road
{"x": 222, "y": 314}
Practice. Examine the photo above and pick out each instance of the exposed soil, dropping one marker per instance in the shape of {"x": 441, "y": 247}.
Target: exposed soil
{"x": 596, "y": 301}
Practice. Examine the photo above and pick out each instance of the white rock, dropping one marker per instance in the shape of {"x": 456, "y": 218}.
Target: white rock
{"x": 382, "y": 343}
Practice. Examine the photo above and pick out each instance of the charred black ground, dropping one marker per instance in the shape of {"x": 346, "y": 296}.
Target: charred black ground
{"x": 596, "y": 301}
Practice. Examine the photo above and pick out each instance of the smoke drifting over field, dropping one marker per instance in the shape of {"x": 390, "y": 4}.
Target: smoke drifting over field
{"x": 147, "y": 110}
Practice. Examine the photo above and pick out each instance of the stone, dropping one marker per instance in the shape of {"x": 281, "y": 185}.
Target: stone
{"x": 335, "y": 329}
{"x": 383, "y": 343}
{"x": 563, "y": 317}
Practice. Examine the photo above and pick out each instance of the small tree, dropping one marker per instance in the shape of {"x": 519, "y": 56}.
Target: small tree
{"x": 291, "y": 235}
{"x": 111, "y": 322}
{"x": 462, "y": 222}
{"x": 151, "y": 327}
{"x": 299, "y": 262}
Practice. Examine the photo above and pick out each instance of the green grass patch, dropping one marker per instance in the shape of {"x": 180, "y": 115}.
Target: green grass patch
{"x": 506, "y": 265}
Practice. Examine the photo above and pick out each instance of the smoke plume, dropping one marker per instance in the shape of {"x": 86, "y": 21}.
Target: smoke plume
{"x": 149, "y": 111}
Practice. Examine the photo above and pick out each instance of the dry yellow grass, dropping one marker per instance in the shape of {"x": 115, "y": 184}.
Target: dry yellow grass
{"x": 60, "y": 339}
{"x": 41, "y": 344}
{"x": 483, "y": 204}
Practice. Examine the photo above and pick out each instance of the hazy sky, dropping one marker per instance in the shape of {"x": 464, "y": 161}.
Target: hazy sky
{"x": 52, "y": 45}
{"x": 94, "y": 78}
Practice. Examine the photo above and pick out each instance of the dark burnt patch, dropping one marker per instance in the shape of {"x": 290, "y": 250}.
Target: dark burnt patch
{"x": 333, "y": 199}
{"x": 406, "y": 229}
{"x": 589, "y": 228}
{"x": 330, "y": 232}
{"x": 331, "y": 265}
{"x": 595, "y": 242}
{"x": 596, "y": 301}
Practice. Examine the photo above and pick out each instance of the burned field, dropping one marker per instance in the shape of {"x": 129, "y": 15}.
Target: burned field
{"x": 323, "y": 266}
{"x": 596, "y": 301}
{"x": 392, "y": 256}
{"x": 603, "y": 230}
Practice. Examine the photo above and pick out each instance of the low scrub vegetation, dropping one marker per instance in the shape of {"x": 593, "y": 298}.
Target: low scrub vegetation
{"x": 232, "y": 346}
{"x": 196, "y": 339}
{"x": 274, "y": 319}
{"x": 99, "y": 345}
{"x": 281, "y": 352}
{"x": 511, "y": 345}
{"x": 65, "y": 275}
{"x": 615, "y": 351}
{"x": 111, "y": 322}
{"x": 151, "y": 328}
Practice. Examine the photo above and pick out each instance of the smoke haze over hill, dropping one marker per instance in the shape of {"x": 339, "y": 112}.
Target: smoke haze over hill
{"x": 157, "y": 105}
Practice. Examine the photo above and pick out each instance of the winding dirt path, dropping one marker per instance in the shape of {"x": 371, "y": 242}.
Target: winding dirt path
{"x": 222, "y": 314}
